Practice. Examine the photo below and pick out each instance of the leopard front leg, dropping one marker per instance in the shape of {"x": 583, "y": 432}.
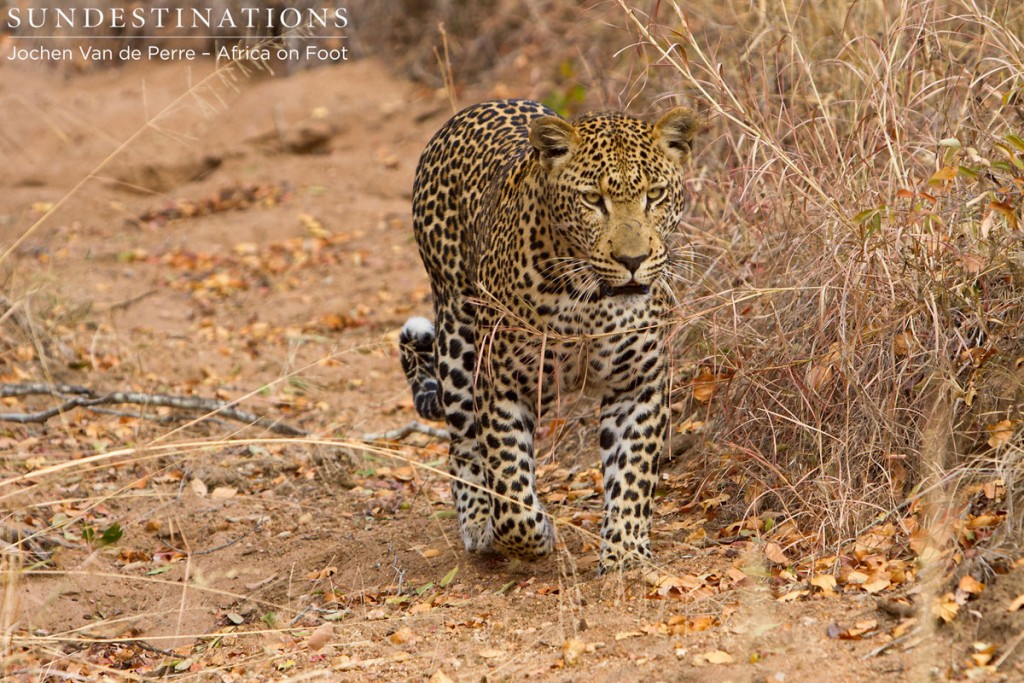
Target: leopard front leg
{"x": 507, "y": 418}
{"x": 633, "y": 424}
{"x": 455, "y": 352}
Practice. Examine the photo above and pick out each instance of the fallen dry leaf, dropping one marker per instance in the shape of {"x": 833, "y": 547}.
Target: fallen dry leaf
{"x": 945, "y": 608}
{"x": 856, "y": 631}
{"x": 826, "y": 582}
{"x": 1000, "y": 433}
{"x": 983, "y": 653}
{"x": 739, "y": 577}
{"x": 793, "y": 595}
{"x": 877, "y": 585}
{"x": 665, "y": 584}
{"x": 490, "y": 653}
{"x": 969, "y": 584}
{"x": 901, "y": 343}
{"x": 440, "y": 677}
{"x": 984, "y": 521}
{"x": 1017, "y": 603}
{"x": 198, "y": 487}
{"x": 904, "y": 627}
{"x": 421, "y": 607}
{"x": 318, "y": 574}
{"x": 857, "y": 578}
{"x": 704, "y": 386}
{"x": 320, "y": 637}
{"x": 223, "y": 492}
{"x": 818, "y": 377}
{"x": 690, "y": 426}
{"x": 773, "y": 551}
{"x": 402, "y": 636}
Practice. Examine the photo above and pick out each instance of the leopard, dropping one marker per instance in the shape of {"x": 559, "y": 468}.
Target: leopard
{"x": 547, "y": 244}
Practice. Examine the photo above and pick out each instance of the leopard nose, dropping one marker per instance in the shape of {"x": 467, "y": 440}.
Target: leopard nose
{"x": 632, "y": 263}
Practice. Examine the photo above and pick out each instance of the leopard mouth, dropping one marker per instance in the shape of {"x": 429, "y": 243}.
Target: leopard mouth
{"x": 632, "y": 287}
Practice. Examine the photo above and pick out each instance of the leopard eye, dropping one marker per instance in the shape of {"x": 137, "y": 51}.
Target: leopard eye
{"x": 593, "y": 199}
{"x": 655, "y": 195}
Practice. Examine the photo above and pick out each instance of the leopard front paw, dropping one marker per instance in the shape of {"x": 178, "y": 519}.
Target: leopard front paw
{"x": 619, "y": 558}
{"x": 478, "y": 537}
{"x": 537, "y": 542}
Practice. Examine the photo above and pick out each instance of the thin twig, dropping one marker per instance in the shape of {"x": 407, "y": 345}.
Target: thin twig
{"x": 83, "y": 397}
{"x": 143, "y": 645}
{"x": 402, "y": 432}
{"x": 1008, "y": 650}
{"x": 209, "y": 551}
{"x": 892, "y": 643}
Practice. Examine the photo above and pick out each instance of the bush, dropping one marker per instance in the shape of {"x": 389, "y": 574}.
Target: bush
{"x": 858, "y": 263}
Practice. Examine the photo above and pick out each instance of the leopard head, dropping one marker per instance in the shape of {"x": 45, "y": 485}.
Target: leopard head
{"x": 614, "y": 190}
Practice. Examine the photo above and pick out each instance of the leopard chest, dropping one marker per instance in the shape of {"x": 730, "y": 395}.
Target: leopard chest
{"x": 597, "y": 346}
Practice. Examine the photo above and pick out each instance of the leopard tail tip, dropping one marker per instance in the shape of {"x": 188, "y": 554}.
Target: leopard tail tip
{"x": 418, "y": 331}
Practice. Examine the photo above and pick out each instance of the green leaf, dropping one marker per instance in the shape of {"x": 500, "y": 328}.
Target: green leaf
{"x": 873, "y": 225}
{"x": 864, "y": 215}
{"x": 112, "y": 534}
{"x": 159, "y": 570}
{"x": 967, "y": 172}
{"x": 270, "y": 619}
{"x": 449, "y": 577}
{"x": 424, "y": 588}
{"x": 1010, "y": 154}
{"x": 1016, "y": 140}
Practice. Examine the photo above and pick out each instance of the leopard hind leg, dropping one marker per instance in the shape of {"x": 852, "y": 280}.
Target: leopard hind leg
{"x": 439, "y": 365}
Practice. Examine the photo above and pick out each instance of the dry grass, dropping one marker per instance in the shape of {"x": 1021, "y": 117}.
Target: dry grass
{"x": 861, "y": 176}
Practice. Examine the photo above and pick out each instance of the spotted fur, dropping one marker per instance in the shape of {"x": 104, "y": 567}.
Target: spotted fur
{"x": 545, "y": 242}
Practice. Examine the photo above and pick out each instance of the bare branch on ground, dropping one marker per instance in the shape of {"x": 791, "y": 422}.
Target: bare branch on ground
{"x": 75, "y": 396}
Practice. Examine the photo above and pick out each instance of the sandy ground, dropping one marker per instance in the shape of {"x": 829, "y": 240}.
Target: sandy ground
{"x": 252, "y": 241}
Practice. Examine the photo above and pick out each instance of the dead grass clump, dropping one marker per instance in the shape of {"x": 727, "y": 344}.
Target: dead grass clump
{"x": 860, "y": 253}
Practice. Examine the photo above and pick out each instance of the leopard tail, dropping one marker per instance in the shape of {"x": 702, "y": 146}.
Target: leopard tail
{"x": 416, "y": 345}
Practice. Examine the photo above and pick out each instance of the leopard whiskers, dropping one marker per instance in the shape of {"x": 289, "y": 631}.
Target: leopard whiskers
{"x": 565, "y": 270}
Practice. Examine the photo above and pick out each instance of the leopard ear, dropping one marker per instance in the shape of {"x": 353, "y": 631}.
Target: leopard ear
{"x": 554, "y": 139}
{"x": 675, "y": 131}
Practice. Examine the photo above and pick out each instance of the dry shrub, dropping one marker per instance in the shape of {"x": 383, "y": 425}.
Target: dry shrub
{"x": 424, "y": 38}
{"x": 858, "y": 254}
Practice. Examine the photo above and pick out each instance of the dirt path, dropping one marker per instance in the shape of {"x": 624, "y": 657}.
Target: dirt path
{"x": 255, "y": 242}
